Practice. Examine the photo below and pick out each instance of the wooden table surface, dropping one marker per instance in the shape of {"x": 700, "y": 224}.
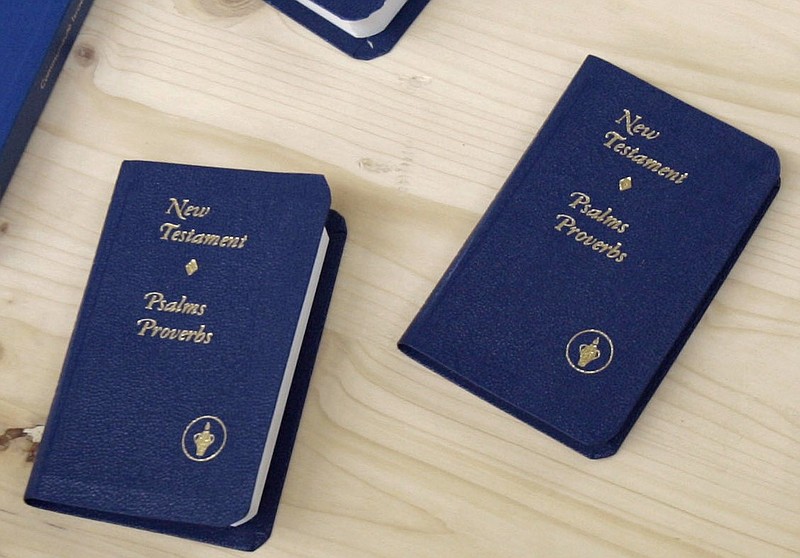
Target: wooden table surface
{"x": 392, "y": 460}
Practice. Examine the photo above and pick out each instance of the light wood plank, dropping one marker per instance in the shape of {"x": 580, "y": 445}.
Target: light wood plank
{"x": 392, "y": 460}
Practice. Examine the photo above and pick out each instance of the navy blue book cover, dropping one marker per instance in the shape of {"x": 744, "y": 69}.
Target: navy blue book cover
{"x": 183, "y": 385}
{"x": 363, "y": 48}
{"x": 35, "y": 38}
{"x": 579, "y": 286}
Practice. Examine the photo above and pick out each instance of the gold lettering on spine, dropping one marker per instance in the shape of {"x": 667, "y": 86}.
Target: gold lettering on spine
{"x": 57, "y": 55}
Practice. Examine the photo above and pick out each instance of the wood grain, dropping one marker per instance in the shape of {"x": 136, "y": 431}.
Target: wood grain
{"x": 392, "y": 460}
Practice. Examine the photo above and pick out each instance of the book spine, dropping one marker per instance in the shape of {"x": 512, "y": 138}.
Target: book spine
{"x": 39, "y": 89}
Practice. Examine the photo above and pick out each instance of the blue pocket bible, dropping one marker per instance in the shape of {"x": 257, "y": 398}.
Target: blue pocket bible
{"x": 185, "y": 379}
{"x": 35, "y": 38}
{"x": 581, "y": 283}
{"x": 362, "y": 29}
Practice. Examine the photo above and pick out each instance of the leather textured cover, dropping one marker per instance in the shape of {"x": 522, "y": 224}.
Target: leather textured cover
{"x": 117, "y": 445}
{"x": 360, "y": 48}
{"x": 579, "y": 286}
{"x": 35, "y": 38}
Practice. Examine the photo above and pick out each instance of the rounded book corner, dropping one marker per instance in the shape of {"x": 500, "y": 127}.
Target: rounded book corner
{"x": 773, "y": 164}
{"x": 601, "y": 451}
{"x": 602, "y": 444}
{"x": 336, "y": 223}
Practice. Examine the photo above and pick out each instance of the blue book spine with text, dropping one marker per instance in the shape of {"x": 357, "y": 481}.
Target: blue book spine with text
{"x": 35, "y": 39}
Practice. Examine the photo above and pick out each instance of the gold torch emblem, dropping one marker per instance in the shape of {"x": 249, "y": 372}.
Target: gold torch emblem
{"x": 204, "y": 438}
{"x": 590, "y": 351}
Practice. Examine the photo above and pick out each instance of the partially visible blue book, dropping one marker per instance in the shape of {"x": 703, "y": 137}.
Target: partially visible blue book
{"x": 578, "y": 288}
{"x": 183, "y": 386}
{"x": 363, "y": 29}
{"x": 35, "y": 38}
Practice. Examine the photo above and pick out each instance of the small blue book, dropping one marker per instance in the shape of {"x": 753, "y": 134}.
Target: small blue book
{"x": 35, "y": 38}
{"x": 580, "y": 285}
{"x": 362, "y": 29}
{"x": 186, "y": 374}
